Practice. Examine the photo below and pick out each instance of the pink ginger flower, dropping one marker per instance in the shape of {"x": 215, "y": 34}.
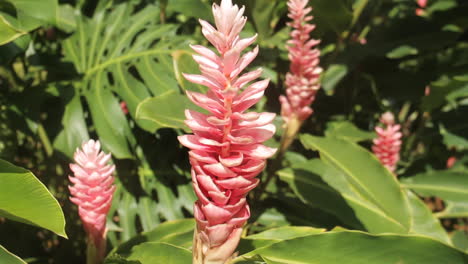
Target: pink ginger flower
{"x": 422, "y": 3}
{"x": 92, "y": 192}
{"x": 387, "y": 146}
{"x": 451, "y": 162}
{"x": 226, "y": 150}
{"x": 302, "y": 82}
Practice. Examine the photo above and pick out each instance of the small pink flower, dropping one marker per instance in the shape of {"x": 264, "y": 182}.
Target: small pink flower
{"x": 226, "y": 150}
{"x": 92, "y": 191}
{"x": 302, "y": 81}
{"x": 387, "y": 146}
{"x": 124, "y": 107}
{"x": 451, "y": 161}
{"x": 422, "y": 3}
{"x": 419, "y": 12}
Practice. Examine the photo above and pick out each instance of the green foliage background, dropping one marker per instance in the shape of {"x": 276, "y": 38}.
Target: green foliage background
{"x": 66, "y": 66}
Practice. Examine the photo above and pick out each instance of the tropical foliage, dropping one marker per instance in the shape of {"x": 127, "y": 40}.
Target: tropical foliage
{"x": 112, "y": 70}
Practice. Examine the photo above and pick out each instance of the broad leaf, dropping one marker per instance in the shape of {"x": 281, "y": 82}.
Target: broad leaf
{"x": 366, "y": 184}
{"x": 7, "y": 257}
{"x": 347, "y": 130}
{"x": 275, "y": 235}
{"x": 454, "y": 210}
{"x": 178, "y": 232}
{"x": 304, "y": 179}
{"x": 165, "y": 110}
{"x": 151, "y": 253}
{"x": 74, "y": 131}
{"x": 17, "y": 17}
{"x": 126, "y": 51}
{"x": 356, "y": 247}
{"x": 424, "y": 222}
{"x": 451, "y": 186}
{"x": 25, "y": 199}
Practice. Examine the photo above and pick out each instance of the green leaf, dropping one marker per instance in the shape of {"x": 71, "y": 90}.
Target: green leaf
{"x": 369, "y": 187}
{"x": 452, "y": 140}
{"x": 28, "y": 15}
{"x": 151, "y": 253}
{"x": 198, "y": 9}
{"x": 74, "y": 131}
{"x": 7, "y": 32}
{"x": 454, "y": 210}
{"x": 424, "y": 222}
{"x": 347, "y": 130}
{"x": 123, "y": 50}
{"x": 304, "y": 179}
{"x": 460, "y": 240}
{"x": 402, "y": 51}
{"x": 7, "y": 257}
{"x": 178, "y": 232}
{"x": 165, "y": 110}
{"x": 332, "y": 77}
{"x": 25, "y": 199}
{"x": 357, "y": 247}
{"x": 112, "y": 127}
{"x": 448, "y": 185}
{"x": 332, "y": 15}
{"x": 275, "y": 235}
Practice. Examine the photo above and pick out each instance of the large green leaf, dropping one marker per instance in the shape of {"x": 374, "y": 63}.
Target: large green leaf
{"x": 424, "y": 222}
{"x": 125, "y": 51}
{"x": 356, "y": 247}
{"x": 150, "y": 253}
{"x": 25, "y": 199}
{"x": 347, "y": 130}
{"x": 275, "y": 235}
{"x": 74, "y": 131}
{"x": 110, "y": 123}
{"x": 451, "y": 186}
{"x": 304, "y": 179}
{"x": 165, "y": 110}
{"x": 454, "y": 210}
{"x": 178, "y": 232}
{"x": 7, "y": 257}
{"x": 17, "y": 17}
{"x": 368, "y": 186}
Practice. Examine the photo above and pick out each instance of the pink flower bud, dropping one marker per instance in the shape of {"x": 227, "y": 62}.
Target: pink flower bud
{"x": 387, "y": 145}
{"x": 451, "y": 161}
{"x": 92, "y": 191}
{"x": 422, "y": 3}
{"x": 226, "y": 150}
{"x": 302, "y": 81}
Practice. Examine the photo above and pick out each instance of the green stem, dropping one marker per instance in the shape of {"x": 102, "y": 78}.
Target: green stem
{"x": 45, "y": 140}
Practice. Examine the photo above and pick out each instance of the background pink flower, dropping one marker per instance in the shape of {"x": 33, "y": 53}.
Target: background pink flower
{"x": 388, "y": 143}
{"x": 92, "y": 191}
{"x": 302, "y": 81}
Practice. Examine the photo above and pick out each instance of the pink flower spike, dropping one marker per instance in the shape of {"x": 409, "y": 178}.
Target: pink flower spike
{"x": 387, "y": 145}
{"x": 302, "y": 81}
{"x": 92, "y": 192}
{"x": 422, "y": 3}
{"x": 226, "y": 150}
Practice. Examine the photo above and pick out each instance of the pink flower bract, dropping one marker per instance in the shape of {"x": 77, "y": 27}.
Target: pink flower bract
{"x": 388, "y": 143}
{"x": 92, "y": 191}
{"x": 226, "y": 150}
{"x": 302, "y": 81}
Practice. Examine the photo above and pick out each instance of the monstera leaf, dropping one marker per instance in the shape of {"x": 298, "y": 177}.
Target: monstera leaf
{"x": 127, "y": 53}
{"x": 17, "y": 17}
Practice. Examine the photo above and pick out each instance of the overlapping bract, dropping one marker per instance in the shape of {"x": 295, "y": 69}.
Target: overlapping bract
{"x": 388, "y": 143}
{"x": 302, "y": 81}
{"x": 226, "y": 148}
{"x": 92, "y": 191}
